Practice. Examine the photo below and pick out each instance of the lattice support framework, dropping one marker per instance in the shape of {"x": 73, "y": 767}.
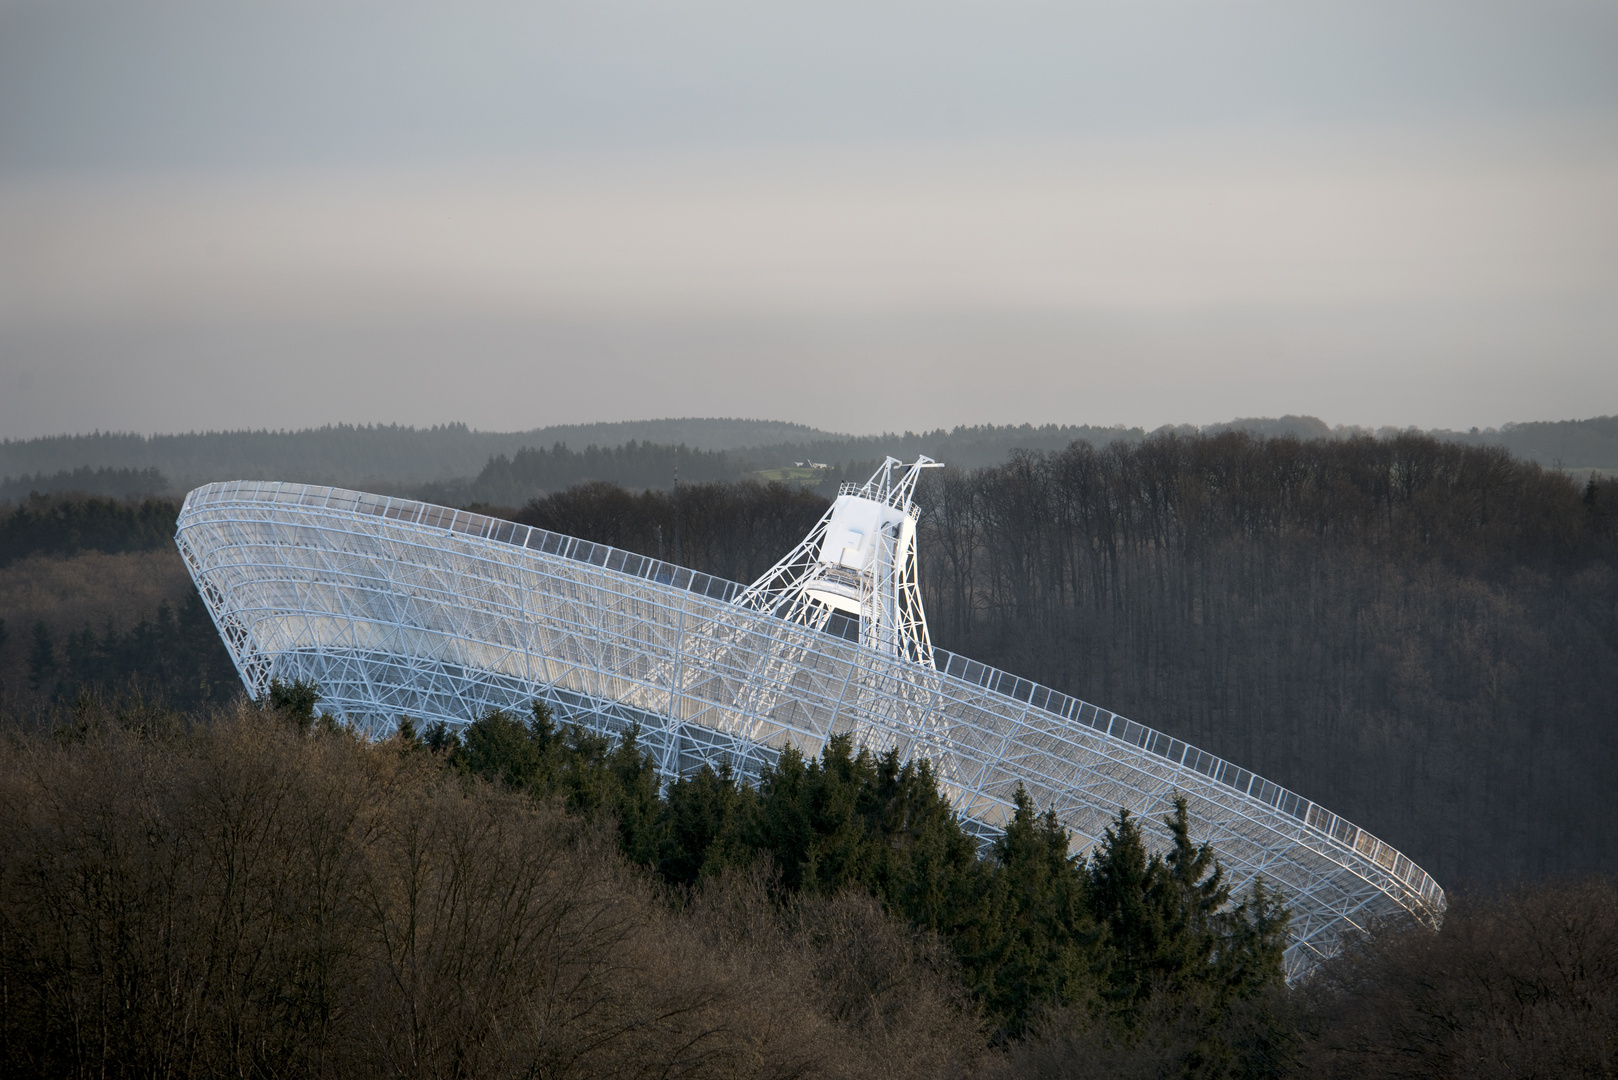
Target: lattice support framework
{"x": 398, "y": 608}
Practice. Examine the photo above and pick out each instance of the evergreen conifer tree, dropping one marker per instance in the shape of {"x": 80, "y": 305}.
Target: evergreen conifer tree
{"x": 707, "y": 817}
{"x": 1046, "y": 936}
{"x": 1194, "y": 894}
{"x": 636, "y": 799}
{"x": 926, "y": 865}
{"x": 499, "y": 746}
{"x": 41, "y": 659}
{"x": 295, "y": 700}
{"x": 1125, "y": 888}
{"x": 809, "y": 818}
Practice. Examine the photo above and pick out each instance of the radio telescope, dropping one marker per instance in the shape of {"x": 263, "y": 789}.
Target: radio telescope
{"x": 400, "y": 608}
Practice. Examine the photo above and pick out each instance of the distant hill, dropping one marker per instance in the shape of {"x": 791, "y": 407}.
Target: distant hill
{"x": 699, "y": 434}
{"x": 1570, "y": 445}
{"x": 380, "y": 455}
{"x": 1573, "y": 445}
{"x": 452, "y": 461}
{"x": 1303, "y": 427}
{"x": 340, "y": 453}
{"x": 398, "y": 459}
{"x": 963, "y": 447}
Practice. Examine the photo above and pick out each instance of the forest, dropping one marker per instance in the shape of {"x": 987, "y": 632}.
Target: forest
{"x": 93, "y": 597}
{"x": 253, "y": 890}
{"x": 105, "y": 481}
{"x": 455, "y": 464}
{"x": 1420, "y": 634}
{"x": 531, "y": 472}
{"x": 65, "y": 525}
{"x": 401, "y": 457}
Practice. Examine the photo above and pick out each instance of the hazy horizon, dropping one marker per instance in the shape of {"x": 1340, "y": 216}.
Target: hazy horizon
{"x": 721, "y": 432}
{"x": 863, "y": 218}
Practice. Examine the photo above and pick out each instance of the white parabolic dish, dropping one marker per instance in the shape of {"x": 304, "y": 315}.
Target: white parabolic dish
{"x": 400, "y": 608}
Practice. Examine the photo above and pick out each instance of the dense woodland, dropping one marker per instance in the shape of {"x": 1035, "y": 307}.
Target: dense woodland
{"x": 116, "y": 638}
{"x": 172, "y": 654}
{"x": 735, "y": 531}
{"x": 65, "y": 525}
{"x": 1421, "y": 635}
{"x": 105, "y": 482}
{"x": 255, "y": 891}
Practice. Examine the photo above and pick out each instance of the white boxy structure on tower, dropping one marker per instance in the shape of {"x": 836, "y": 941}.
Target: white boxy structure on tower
{"x": 860, "y": 561}
{"x": 400, "y": 608}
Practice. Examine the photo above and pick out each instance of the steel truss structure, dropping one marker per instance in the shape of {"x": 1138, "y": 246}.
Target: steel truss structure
{"x": 858, "y": 562}
{"x": 399, "y": 608}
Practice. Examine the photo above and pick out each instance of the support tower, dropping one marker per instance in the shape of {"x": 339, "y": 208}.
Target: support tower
{"x": 858, "y": 562}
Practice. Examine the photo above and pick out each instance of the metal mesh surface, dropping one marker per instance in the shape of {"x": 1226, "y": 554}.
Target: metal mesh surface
{"x": 399, "y": 608}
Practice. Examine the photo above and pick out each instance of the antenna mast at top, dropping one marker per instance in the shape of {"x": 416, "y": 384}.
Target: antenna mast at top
{"x": 860, "y": 560}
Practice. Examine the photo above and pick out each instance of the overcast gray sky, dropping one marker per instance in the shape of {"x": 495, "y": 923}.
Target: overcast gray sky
{"x": 859, "y": 216}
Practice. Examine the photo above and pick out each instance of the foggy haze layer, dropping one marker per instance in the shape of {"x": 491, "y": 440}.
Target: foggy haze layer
{"x": 861, "y": 218}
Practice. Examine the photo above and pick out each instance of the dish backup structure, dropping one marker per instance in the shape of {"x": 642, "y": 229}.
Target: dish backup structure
{"x": 400, "y": 608}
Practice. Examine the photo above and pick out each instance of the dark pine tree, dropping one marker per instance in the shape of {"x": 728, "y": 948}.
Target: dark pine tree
{"x": 41, "y": 660}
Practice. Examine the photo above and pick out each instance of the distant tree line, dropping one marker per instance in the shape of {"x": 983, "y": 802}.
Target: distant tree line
{"x": 106, "y": 482}
{"x": 344, "y": 453}
{"x": 447, "y": 458}
{"x": 400, "y": 458}
{"x": 68, "y": 524}
{"x": 531, "y": 471}
{"x": 1571, "y": 444}
{"x": 535, "y": 472}
{"x": 174, "y": 656}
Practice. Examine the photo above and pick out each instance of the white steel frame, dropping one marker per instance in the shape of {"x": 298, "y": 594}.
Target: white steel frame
{"x": 877, "y": 596}
{"x": 399, "y": 608}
